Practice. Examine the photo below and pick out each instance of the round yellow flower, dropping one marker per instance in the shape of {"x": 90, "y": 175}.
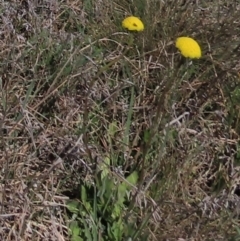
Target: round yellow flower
{"x": 188, "y": 47}
{"x": 133, "y": 23}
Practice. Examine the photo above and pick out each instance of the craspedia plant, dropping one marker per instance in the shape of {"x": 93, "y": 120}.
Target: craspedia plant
{"x": 189, "y": 47}
{"x": 133, "y": 24}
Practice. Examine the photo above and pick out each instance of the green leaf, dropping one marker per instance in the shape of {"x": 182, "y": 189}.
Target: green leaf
{"x": 117, "y": 210}
{"x": 104, "y": 167}
{"x": 76, "y": 238}
{"x": 124, "y": 187}
{"x": 112, "y": 129}
{"x": 83, "y": 194}
{"x": 115, "y": 231}
{"x": 74, "y": 228}
{"x": 73, "y": 206}
{"x": 87, "y": 230}
{"x": 122, "y": 191}
{"x": 75, "y": 231}
{"x": 133, "y": 178}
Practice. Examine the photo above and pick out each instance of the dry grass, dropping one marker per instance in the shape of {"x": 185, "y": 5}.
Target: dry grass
{"x": 69, "y": 72}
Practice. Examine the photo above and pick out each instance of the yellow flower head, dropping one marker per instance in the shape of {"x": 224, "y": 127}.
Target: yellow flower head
{"x": 188, "y": 47}
{"x": 133, "y": 23}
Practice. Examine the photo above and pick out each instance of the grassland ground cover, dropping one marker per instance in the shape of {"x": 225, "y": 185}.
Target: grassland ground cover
{"x": 108, "y": 134}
